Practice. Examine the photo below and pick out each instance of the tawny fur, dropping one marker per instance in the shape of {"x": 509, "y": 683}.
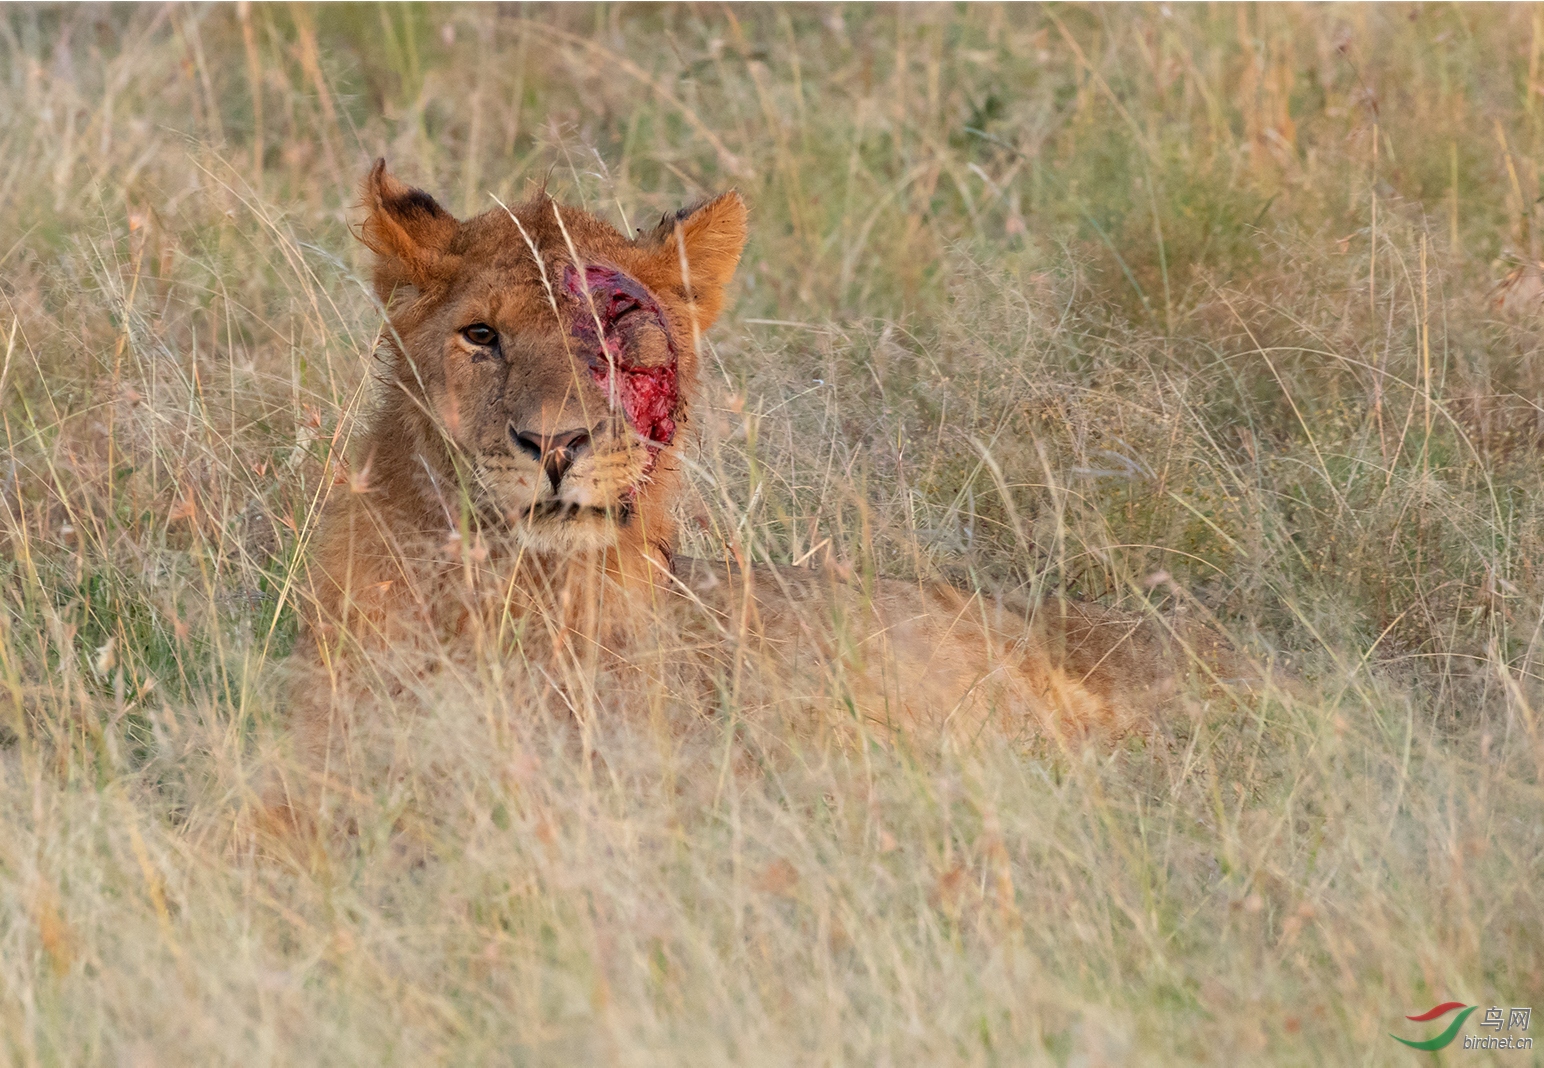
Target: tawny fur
{"x": 449, "y": 531}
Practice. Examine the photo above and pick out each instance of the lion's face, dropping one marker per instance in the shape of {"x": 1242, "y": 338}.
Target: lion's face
{"x": 557, "y": 356}
{"x": 564, "y": 404}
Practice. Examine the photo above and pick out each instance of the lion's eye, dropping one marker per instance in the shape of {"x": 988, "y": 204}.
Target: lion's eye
{"x": 480, "y": 334}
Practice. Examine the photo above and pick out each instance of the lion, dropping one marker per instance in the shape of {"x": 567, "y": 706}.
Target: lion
{"x": 524, "y": 460}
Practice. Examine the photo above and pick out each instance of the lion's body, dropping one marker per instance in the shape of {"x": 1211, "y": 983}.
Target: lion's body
{"x": 518, "y": 476}
{"x": 910, "y": 656}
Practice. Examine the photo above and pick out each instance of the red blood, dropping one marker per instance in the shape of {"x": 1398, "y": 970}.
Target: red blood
{"x": 649, "y": 394}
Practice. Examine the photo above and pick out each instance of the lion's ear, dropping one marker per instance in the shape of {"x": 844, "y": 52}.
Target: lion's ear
{"x": 407, "y": 230}
{"x": 699, "y": 248}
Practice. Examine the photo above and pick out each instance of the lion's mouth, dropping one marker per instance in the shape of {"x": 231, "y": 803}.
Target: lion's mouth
{"x": 568, "y": 511}
{"x": 503, "y": 490}
{"x": 555, "y": 511}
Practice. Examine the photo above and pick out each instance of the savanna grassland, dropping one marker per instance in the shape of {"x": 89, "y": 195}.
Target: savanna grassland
{"x": 1232, "y": 311}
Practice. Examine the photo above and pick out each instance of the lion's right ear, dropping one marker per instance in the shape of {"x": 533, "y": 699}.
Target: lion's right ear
{"x": 407, "y": 230}
{"x": 696, "y": 251}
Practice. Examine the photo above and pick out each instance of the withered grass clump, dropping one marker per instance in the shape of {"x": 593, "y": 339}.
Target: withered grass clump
{"x": 1222, "y": 314}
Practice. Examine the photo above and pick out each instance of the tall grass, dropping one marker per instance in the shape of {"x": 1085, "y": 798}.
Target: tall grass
{"x": 1158, "y": 306}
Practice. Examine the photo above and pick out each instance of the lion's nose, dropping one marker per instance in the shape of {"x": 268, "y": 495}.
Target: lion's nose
{"x": 555, "y": 452}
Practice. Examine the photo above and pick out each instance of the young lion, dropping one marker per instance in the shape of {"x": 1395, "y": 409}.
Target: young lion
{"x": 519, "y": 470}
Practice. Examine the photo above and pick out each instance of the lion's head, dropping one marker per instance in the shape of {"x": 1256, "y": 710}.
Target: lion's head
{"x": 553, "y": 356}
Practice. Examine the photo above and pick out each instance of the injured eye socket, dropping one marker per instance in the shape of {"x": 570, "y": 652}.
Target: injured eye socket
{"x": 480, "y": 334}
{"x": 623, "y": 307}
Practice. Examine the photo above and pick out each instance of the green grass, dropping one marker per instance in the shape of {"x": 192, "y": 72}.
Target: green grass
{"x": 1036, "y": 298}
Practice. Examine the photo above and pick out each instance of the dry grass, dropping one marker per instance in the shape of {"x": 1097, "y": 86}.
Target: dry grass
{"x": 1045, "y": 298}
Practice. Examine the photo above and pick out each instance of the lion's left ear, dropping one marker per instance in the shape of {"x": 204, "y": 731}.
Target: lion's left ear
{"x": 698, "y": 249}
{"x": 407, "y": 230}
